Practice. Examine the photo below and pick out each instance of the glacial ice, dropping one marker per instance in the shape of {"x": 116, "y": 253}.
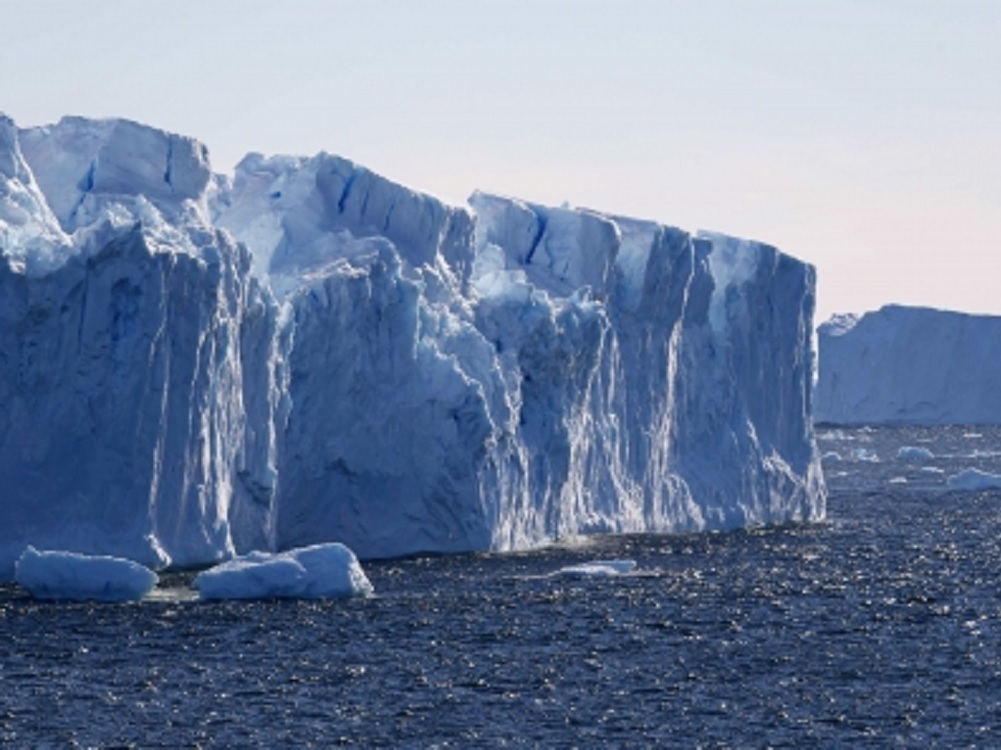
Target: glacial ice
{"x": 909, "y": 365}
{"x": 74, "y": 577}
{"x": 598, "y": 569}
{"x": 973, "y": 480}
{"x": 914, "y": 453}
{"x": 864, "y": 454}
{"x": 323, "y": 571}
{"x": 193, "y": 366}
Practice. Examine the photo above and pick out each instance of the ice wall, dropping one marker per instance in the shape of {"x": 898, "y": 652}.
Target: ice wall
{"x": 137, "y": 378}
{"x": 516, "y": 373}
{"x": 371, "y": 365}
{"x": 909, "y": 365}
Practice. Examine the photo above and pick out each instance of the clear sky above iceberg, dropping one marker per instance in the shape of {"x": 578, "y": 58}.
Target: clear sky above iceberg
{"x": 863, "y": 137}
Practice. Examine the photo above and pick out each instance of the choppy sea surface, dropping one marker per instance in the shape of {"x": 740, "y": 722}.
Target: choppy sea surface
{"x": 880, "y": 627}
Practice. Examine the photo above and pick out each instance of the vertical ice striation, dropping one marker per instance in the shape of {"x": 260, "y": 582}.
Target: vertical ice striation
{"x": 388, "y": 426}
{"x": 372, "y": 365}
{"x": 669, "y": 393}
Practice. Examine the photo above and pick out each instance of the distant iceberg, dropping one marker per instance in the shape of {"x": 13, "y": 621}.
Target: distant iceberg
{"x": 75, "y": 577}
{"x": 914, "y": 453}
{"x": 973, "y": 480}
{"x": 909, "y": 365}
{"x": 193, "y": 366}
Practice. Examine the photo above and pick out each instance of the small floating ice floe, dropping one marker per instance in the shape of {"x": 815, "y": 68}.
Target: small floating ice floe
{"x": 914, "y": 453}
{"x": 323, "y": 571}
{"x": 72, "y": 576}
{"x": 973, "y": 479}
{"x": 898, "y": 480}
{"x": 830, "y": 456}
{"x": 598, "y": 568}
{"x": 864, "y": 454}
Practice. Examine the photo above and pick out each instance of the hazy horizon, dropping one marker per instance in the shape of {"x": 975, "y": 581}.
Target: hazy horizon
{"x": 861, "y": 138}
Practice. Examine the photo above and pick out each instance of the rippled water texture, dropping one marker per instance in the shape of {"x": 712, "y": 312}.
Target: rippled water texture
{"x": 878, "y": 628}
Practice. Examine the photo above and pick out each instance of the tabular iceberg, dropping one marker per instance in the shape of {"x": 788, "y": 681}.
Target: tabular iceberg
{"x": 193, "y": 366}
{"x": 909, "y": 365}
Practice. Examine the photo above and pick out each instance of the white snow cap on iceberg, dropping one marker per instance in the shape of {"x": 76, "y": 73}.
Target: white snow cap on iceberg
{"x": 72, "y": 576}
{"x": 30, "y": 235}
{"x": 318, "y": 572}
{"x": 70, "y": 188}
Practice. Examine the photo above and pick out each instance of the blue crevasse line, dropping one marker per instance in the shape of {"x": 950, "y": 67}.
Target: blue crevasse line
{"x": 342, "y": 201}
{"x": 388, "y": 217}
{"x": 85, "y": 185}
{"x": 543, "y": 221}
{"x": 363, "y": 214}
{"x": 170, "y": 160}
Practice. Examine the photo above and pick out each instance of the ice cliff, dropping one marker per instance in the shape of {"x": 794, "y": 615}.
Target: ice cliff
{"x": 193, "y": 366}
{"x": 909, "y": 365}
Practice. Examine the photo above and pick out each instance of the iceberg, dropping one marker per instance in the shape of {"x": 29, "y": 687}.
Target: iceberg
{"x": 914, "y": 453}
{"x": 323, "y": 571}
{"x": 194, "y": 366}
{"x": 598, "y": 569}
{"x": 909, "y": 365}
{"x": 973, "y": 480}
{"x": 75, "y": 577}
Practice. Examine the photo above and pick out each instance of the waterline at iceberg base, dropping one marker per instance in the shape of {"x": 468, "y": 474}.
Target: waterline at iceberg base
{"x": 194, "y": 366}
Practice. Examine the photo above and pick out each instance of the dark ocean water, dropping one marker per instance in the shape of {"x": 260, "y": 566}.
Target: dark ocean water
{"x": 880, "y": 627}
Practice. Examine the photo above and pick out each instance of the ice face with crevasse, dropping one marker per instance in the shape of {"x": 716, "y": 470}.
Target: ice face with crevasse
{"x": 194, "y": 366}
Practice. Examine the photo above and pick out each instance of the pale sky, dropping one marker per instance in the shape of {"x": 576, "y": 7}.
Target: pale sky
{"x": 863, "y": 136}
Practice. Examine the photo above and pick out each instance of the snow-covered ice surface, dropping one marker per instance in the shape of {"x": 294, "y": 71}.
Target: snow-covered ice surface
{"x": 909, "y": 365}
{"x": 70, "y": 576}
{"x": 323, "y": 571}
{"x": 194, "y": 366}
